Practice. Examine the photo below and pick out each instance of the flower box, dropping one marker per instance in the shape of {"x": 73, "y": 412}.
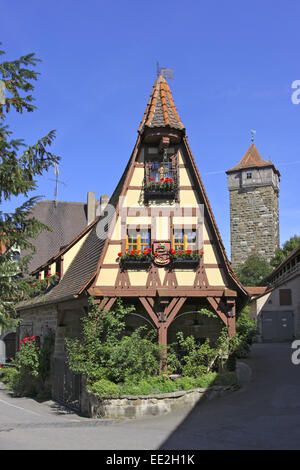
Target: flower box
{"x": 135, "y": 263}
{"x": 135, "y": 260}
{"x": 185, "y": 258}
{"x": 185, "y": 263}
{"x": 166, "y": 188}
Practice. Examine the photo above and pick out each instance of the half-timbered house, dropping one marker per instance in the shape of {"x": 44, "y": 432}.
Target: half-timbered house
{"x": 156, "y": 246}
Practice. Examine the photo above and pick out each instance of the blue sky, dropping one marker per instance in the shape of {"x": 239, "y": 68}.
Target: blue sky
{"x": 234, "y": 63}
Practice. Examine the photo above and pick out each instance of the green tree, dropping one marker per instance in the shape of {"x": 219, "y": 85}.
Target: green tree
{"x": 253, "y": 271}
{"x": 19, "y": 165}
{"x": 287, "y": 248}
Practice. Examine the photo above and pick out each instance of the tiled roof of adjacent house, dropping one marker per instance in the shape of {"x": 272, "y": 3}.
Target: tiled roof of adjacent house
{"x": 161, "y": 110}
{"x": 252, "y": 159}
{"x": 67, "y": 219}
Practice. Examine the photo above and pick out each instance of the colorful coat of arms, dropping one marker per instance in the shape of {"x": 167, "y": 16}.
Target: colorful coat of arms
{"x": 161, "y": 251}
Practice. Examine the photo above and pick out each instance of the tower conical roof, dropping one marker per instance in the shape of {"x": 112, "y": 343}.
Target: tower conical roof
{"x": 252, "y": 159}
{"x": 161, "y": 110}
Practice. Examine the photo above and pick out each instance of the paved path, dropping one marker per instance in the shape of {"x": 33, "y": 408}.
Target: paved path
{"x": 263, "y": 414}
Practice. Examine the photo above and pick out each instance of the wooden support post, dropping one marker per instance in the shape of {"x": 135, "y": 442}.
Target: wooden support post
{"x": 232, "y": 320}
{"x": 162, "y": 339}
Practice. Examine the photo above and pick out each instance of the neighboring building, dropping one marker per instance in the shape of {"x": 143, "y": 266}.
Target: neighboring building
{"x": 254, "y": 215}
{"x": 159, "y": 203}
{"x": 277, "y": 309}
{"x": 66, "y": 219}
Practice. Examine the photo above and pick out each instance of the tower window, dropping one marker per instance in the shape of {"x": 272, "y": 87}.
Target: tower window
{"x": 249, "y": 176}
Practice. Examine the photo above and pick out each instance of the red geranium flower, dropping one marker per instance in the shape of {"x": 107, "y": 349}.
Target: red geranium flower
{"x": 120, "y": 254}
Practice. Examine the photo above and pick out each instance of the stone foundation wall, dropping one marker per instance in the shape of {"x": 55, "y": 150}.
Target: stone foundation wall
{"x": 138, "y": 406}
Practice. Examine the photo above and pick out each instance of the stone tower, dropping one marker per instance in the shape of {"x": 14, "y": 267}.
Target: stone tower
{"x": 254, "y": 215}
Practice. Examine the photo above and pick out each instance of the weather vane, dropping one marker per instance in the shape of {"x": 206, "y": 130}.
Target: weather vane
{"x": 253, "y": 132}
{"x": 166, "y": 73}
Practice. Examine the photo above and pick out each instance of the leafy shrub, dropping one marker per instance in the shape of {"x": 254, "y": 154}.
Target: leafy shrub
{"x": 188, "y": 357}
{"x": 104, "y": 352}
{"x": 105, "y": 388}
{"x": 148, "y": 386}
{"x": 31, "y": 368}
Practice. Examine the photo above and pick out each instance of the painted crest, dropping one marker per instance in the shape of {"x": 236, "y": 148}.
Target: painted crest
{"x": 161, "y": 252}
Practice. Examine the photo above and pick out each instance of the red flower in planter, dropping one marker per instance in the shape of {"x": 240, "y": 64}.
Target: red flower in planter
{"x": 152, "y": 179}
{"x": 120, "y": 254}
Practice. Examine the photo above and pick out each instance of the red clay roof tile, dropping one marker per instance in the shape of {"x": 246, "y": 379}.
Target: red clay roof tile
{"x": 161, "y": 110}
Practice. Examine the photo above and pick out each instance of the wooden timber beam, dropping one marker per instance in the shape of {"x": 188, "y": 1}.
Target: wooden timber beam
{"x": 149, "y": 309}
{"x": 228, "y": 320}
{"x": 217, "y": 291}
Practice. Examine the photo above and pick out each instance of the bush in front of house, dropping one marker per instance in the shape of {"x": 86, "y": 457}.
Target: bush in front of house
{"x": 116, "y": 364}
{"x": 30, "y": 370}
{"x": 104, "y": 351}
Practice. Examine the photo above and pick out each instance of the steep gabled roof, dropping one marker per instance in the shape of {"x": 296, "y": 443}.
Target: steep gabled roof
{"x": 252, "y": 159}
{"x": 161, "y": 110}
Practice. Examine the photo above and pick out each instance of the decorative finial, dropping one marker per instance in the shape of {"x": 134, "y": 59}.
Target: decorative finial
{"x": 253, "y": 132}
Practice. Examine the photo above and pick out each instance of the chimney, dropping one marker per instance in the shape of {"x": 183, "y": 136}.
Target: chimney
{"x": 104, "y": 199}
{"x": 91, "y": 207}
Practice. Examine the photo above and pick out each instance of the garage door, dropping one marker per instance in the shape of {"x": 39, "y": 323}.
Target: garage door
{"x": 277, "y": 326}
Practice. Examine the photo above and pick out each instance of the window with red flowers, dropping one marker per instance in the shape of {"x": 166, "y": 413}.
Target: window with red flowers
{"x": 185, "y": 239}
{"x": 138, "y": 240}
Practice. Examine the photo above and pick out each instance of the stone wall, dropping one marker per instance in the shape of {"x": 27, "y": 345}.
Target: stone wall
{"x": 37, "y": 320}
{"x": 254, "y": 223}
{"x": 151, "y": 405}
